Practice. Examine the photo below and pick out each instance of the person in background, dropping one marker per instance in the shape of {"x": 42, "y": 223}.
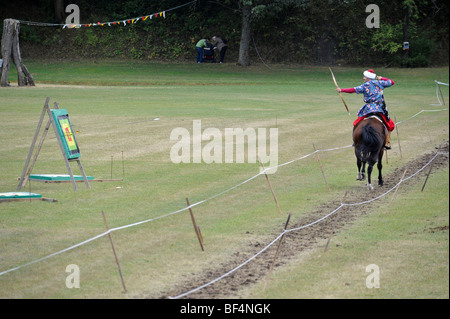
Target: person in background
{"x": 203, "y": 43}
{"x": 221, "y": 45}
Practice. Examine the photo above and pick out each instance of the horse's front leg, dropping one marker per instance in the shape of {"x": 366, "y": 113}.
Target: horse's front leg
{"x": 380, "y": 167}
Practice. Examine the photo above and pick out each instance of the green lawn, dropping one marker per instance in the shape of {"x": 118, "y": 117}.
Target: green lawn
{"x": 113, "y": 106}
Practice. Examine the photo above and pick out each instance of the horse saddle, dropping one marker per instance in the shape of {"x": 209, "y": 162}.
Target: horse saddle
{"x": 378, "y": 117}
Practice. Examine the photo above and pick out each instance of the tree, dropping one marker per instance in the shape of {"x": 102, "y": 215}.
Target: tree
{"x": 10, "y": 49}
{"x": 256, "y": 9}
{"x": 410, "y": 10}
{"x": 59, "y": 10}
{"x": 244, "y": 48}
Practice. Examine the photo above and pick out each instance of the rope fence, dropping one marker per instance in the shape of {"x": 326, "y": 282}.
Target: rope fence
{"x": 286, "y": 231}
{"x": 109, "y": 231}
{"x": 439, "y": 92}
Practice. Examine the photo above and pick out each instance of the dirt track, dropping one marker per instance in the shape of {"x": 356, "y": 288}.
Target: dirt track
{"x": 297, "y": 242}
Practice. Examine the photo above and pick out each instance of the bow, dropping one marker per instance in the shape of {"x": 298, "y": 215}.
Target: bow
{"x": 334, "y": 79}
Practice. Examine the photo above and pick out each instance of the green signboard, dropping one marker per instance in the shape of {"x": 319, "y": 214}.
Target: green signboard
{"x": 66, "y": 134}
{"x": 10, "y": 195}
{"x": 57, "y": 177}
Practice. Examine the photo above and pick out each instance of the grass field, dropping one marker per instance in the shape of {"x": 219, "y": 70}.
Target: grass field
{"x": 113, "y": 106}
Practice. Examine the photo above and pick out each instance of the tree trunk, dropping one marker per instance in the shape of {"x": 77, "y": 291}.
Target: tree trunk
{"x": 10, "y": 47}
{"x": 244, "y": 48}
{"x": 59, "y": 10}
{"x": 406, "y": 28}
{"x": 7, "y": 39}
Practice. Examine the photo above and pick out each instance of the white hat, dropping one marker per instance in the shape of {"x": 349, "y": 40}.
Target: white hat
{"x": 370, "y": 74}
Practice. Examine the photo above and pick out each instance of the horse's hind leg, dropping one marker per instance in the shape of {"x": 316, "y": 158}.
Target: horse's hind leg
{"x": 369, "y": 177}
{"x": 359, "y": 175}
{"x": 380, "y": 167}
{"x": 363, "y": 172}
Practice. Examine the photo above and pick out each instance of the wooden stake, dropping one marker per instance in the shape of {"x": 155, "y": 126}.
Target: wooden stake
{"x": 427, "y": 128}
{"x": 442, "y": 96}
{"x": 196, "y": 228}
{"x": 200, "y": 234}
{"x": 277, "y": 252}
{"x": 271, "y": 189}
{"x": 114, "y": 251}
{"x": 426, "y": 179}
{"x": 123, "y": 167}
{"x": 395, "y": 192}
{"x": 398, "y": 138}
{"x": 111, "y": 165}
{"x": 321, "y": 168}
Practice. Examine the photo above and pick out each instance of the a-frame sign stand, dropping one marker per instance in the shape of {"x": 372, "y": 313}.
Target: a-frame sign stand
{"x": 60, "y": 122}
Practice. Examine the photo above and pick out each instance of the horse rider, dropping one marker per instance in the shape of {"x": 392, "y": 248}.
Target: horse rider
{"x": 372, "y": 88}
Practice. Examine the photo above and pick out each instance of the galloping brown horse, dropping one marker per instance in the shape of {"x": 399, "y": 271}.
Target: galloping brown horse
{"x": 369, "y": 138}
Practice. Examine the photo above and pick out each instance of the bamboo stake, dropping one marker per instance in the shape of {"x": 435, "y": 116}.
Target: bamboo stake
{"x": 442, "y": 96}
{"x": 426, "y": 179}
{"x": 395, "y": 192}
{"x": 427, "y": 128}
{"x": 111, "y": 166}
{"x": 271, "y": 189}
{"x": 196, "y": 228}
{"x": 398, "y": 138}
{"x": 321, "y": 168}
{"x": 114, "y": 251}
{"x": 123, "y": 167}
{"x": 200, "y": 234}
{"x": 277, "y": 252}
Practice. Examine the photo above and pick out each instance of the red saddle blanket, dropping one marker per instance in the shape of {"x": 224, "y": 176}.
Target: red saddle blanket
{"x": 390, "y": 125}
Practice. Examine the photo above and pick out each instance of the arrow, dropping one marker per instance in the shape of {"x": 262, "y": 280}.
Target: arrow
{"x": 334, "y": 79}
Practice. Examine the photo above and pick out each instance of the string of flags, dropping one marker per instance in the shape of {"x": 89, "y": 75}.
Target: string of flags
{"x": 119, "y": 22}
{"x": 123, "y": 22}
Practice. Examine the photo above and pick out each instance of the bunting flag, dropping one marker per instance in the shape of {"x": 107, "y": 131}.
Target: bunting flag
{"x": 118, "y": 22}
{"x": 124, "y": 22}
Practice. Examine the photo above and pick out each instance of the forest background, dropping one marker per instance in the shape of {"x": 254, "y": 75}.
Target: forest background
{"x": 313, "y": 32}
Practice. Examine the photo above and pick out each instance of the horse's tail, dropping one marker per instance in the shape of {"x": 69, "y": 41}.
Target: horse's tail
{"x": 369, "y": 144}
